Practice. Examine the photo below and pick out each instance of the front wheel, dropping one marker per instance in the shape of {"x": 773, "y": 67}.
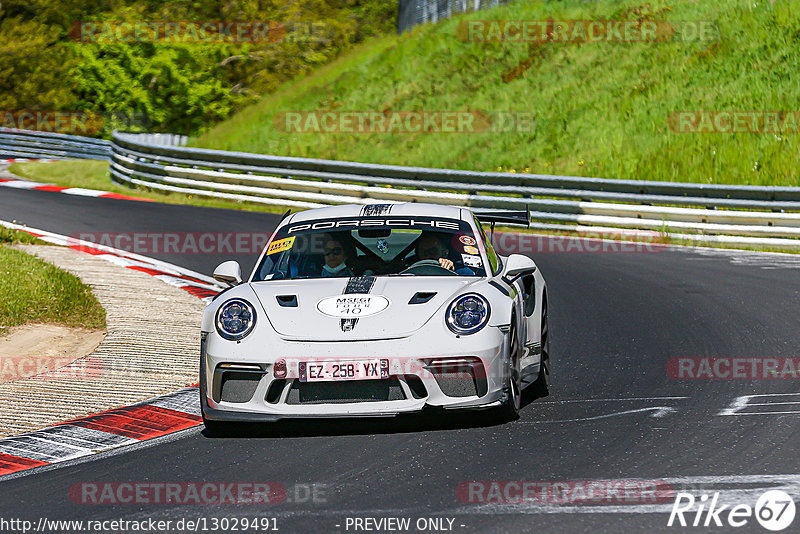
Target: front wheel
{"x": 541, "y": 387}
{"x": 512, "y": 392}
{"x": 219, "y": 428}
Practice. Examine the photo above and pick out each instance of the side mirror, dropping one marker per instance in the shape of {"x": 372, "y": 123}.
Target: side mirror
{"x": 518, "y": 265}
{"x": 229, "y": 273}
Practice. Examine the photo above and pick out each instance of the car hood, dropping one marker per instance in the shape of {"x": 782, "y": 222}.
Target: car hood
{"x": 356, "y": 309}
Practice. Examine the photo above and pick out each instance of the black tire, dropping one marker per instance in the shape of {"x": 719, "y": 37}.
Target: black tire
{"x": 512, "y": 392}
{"x": 218, "y": 428}
{"x": 541, "y": 387}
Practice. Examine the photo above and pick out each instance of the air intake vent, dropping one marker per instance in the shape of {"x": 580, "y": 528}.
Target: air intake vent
{"x": 459, "y": 377}
{"x": 287, "y": 301}
{"x": 416, "y": 386}
{"x": 238, "y": 387}
{"x": 422, "y": 297}
{"x": 275, "y": 390}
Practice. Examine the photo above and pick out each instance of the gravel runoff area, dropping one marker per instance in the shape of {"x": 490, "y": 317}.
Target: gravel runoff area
{"x": 152, "y": 347}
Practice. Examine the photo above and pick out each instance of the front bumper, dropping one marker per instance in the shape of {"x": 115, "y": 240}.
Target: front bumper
{"x": 233, "y": 394}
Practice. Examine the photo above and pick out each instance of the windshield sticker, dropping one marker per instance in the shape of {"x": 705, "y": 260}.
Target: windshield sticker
{"x": 467, "y": 240}
{"x": 420, "y": 223}
{"x": 469, "y": 249}
{"x": 376, "y": 210}
{"x": 383, "y": 245}
{"x": 280, "y": 245}
{"x": 471, "y": 261}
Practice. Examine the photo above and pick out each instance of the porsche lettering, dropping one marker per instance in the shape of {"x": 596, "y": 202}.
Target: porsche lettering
{"x": 362, "y": 223}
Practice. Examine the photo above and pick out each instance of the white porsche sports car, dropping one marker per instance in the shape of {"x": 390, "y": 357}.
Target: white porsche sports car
{"x": 375, "y": 310}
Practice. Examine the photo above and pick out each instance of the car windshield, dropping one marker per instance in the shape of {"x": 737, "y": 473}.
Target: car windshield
{"x": 369, "y": 246}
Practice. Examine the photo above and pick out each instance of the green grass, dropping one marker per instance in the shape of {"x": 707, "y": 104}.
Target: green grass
{"x": 88, "y": 173}
{"x": 34, "y": 291}
{"x": 10, "y": 237}
{"x": 601, "y": 109}
{"x": 92, "y": 174}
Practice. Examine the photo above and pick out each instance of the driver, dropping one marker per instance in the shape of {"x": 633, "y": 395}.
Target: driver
{"x": 430, "y": 247}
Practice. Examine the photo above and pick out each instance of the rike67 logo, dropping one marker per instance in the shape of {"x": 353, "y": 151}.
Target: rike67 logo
{"x": 774, "y": 510}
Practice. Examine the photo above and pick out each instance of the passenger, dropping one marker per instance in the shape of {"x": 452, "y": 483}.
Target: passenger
{"x": 336, "y": 257}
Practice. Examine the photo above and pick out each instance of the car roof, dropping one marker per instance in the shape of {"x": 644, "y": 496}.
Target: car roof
{"x": 401, "y": 209}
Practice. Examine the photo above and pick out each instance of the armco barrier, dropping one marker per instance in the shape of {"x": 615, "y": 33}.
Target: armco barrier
{"x": 758, "y": 215}
{"x": 752, "y": 215}
{"x": 33, "y": 145}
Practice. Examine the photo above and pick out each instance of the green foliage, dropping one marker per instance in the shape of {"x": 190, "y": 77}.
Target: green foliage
{"x": 177, "y": 88}
{"x": 32, "y": 66}
{"x": 162, "y": 86}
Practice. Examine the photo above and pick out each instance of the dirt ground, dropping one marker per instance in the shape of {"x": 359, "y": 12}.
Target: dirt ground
{"x": 43, "y": 349}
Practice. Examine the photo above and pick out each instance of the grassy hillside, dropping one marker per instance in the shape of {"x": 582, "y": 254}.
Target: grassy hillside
{"x": 601, "y": 109}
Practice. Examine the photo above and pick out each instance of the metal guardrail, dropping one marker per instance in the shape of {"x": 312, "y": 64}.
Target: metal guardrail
{"x": 161, "y": 139}
{"x": 34, "y": 145}
{"x": 555, "y": 202}
{"x": 701, "y": 212}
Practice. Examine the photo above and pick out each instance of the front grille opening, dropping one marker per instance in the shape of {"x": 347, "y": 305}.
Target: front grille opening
{"x": 238, "y": 386}
{"x": 456, "y": 383}
{"x": 416, "y": 386}
{"x": 275, "y": 390}
{"x": 345, "y": 392}
{"x": 461, "y": 378}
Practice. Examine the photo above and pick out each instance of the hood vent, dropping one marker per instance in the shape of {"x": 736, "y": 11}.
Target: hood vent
{"x": 287, "y": 301}
{"x": 422, "y": 297}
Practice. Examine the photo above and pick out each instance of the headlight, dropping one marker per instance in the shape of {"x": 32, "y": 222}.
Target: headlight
{"x": 235, "y": 319}
{"x": 468, "y": 314}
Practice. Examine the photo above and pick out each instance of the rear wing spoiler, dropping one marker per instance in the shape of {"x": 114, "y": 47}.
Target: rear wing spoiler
{"x": 492, "y": 217}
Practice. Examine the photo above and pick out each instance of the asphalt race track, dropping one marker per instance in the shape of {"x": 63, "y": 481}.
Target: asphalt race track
{"x": 614, "y": 412}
